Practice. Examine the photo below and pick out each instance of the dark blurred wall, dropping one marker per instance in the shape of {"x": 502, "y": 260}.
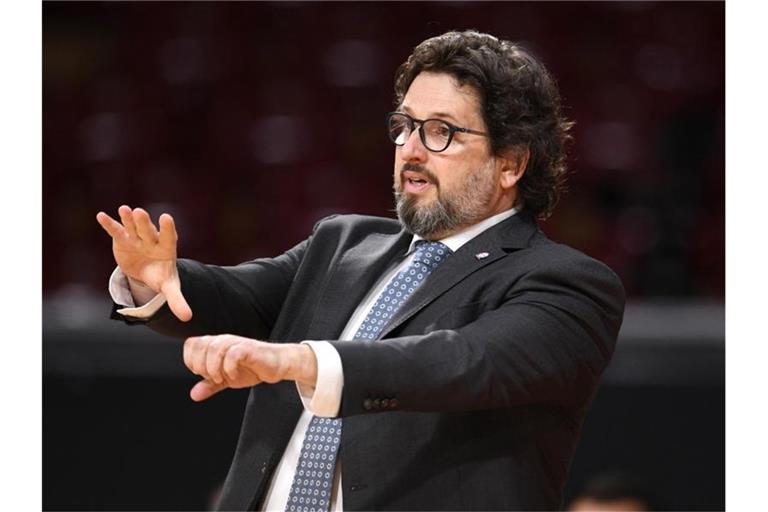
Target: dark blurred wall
{"x": 250, "y": 121}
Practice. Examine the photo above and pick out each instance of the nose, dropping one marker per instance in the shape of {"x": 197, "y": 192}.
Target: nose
{"x": 413, "y": 150}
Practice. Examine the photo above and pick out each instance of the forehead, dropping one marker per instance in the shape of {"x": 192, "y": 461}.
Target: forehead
{"x": 439, "y": 95}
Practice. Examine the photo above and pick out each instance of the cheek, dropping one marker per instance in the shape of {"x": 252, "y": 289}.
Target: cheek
{"x": 459, "y": 181}
{"x": 450, "y": 177}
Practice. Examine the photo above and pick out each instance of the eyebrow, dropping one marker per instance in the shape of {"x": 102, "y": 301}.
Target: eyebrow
{"x": 433, "y": 115}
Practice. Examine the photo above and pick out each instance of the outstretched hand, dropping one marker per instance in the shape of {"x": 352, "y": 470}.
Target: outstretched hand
{"x": 229, "y": 361}
{"x": 147, "y": 255}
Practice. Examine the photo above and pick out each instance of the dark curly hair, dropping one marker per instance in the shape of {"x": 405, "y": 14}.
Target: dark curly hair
{"x": 520, "y": 104}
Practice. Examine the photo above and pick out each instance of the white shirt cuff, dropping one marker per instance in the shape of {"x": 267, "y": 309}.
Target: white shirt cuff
{"x": 120, "y": 291}
{"x": 325, "y": 398}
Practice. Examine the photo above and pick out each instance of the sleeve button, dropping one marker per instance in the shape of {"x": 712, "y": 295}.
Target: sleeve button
{"x": 367, "y": 404}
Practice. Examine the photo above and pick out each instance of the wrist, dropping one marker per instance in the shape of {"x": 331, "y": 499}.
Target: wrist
{"x": 304, "y": 367}
{"x": 135, "y": 282}
{"x": 140, "y": 291}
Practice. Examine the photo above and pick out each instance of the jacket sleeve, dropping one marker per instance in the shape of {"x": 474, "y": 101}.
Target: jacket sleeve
{"x": 547, "y": 343}
{"x": 244, "y": 299}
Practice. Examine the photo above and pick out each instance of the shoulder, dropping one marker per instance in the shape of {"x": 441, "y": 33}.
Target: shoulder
{"x": 353, "y": 224}
{"x": 536, "y": 262}
{"x": 546, "y": 253}
{"x": 558, "y": 266}
{"x": 533, "y": 252}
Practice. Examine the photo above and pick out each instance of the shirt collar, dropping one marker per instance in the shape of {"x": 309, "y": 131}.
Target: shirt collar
{"x": 455, "y": 241}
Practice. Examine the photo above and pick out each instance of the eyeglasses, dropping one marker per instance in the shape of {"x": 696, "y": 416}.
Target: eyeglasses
{"x": 435, "y": 134}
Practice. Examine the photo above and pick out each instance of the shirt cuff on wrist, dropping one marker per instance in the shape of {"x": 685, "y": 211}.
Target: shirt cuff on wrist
{"x": 120, "y": 291}
{"x": 325, "y": 398}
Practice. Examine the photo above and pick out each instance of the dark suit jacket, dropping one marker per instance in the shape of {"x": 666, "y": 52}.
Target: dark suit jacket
{"x": 475, "y": 396}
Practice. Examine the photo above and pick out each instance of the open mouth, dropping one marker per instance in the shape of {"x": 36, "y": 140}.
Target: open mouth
{"x": 416, "y": 185}
{"x": 415, "y": 182}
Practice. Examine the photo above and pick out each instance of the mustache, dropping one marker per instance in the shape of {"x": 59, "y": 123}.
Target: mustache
{"x": 408, "y": 166}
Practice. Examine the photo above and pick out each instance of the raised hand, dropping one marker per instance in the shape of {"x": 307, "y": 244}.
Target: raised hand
{"x": 229, "y": 361}
{"x": 146, "y": 255}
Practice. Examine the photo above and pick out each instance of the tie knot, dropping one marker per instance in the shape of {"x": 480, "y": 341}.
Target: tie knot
{"x": 431, "y": 253}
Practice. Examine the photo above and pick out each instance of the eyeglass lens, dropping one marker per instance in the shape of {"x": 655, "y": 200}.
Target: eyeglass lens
{"x": 436, "y": 133}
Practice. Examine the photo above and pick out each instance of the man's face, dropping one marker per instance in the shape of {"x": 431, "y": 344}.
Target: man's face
{"x": 439, "y": 194}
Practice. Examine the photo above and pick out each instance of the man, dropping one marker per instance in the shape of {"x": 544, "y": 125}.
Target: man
{"x": 455, "y": 350}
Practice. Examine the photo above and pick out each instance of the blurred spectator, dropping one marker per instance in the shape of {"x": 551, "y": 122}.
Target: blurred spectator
{"x": 614, "y": 491}
{"x": 214, "y": 497}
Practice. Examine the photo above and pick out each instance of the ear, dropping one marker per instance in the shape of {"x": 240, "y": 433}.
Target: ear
{"x": 513, "y": 163}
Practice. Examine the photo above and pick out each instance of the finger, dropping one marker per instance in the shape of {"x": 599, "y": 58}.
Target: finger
{"x": 214, "y": 357}
{"x": 198, "y": 349}
{"x": 189, "y": 347}
{"x": 111, "y": 226}
{"x": 168, "y": 236}
{"x": 126, "y": 216}
{"x": 144, "y": 227}
{"x": 176, "y": 301}
{"x": 205, "y": 389}
{"x": 233, "y": 357}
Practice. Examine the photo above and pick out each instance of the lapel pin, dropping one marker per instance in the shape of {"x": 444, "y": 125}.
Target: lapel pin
{"x": 481, "y": 255}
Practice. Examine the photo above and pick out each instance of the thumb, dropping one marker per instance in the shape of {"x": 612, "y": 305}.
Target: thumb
{"x": 176, "y": 301}
{"x": 205, "y": 389}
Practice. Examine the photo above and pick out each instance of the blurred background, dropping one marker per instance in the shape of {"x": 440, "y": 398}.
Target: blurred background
{"x": 250, "y": 121}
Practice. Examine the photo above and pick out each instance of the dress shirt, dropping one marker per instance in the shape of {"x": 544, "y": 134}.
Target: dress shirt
{"x": 325, "y": 398}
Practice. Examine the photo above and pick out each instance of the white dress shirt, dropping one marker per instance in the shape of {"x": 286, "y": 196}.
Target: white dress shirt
{"x": 325, "y": 398}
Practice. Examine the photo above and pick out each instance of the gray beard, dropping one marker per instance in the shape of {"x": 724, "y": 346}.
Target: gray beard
{"x": 449, "y": 211}
{"x": 424, "y": 221}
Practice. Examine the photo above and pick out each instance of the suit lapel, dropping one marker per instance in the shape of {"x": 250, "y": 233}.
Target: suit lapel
{"x": 489, "y": 246}
{"x": 353, "y": 277}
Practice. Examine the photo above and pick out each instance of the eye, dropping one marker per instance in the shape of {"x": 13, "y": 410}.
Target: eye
{"x": 443, "y": 130}
{"x": 437, "y": 129}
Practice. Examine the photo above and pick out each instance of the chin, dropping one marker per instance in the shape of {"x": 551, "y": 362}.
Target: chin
{"x": 421, "y": 197}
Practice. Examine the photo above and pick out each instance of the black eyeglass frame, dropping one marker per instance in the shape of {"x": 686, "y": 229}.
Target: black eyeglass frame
{"x": 412, "y": 120}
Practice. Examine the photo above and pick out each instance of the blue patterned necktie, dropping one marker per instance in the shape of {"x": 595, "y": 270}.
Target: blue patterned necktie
{"x": 311, "y": 488}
